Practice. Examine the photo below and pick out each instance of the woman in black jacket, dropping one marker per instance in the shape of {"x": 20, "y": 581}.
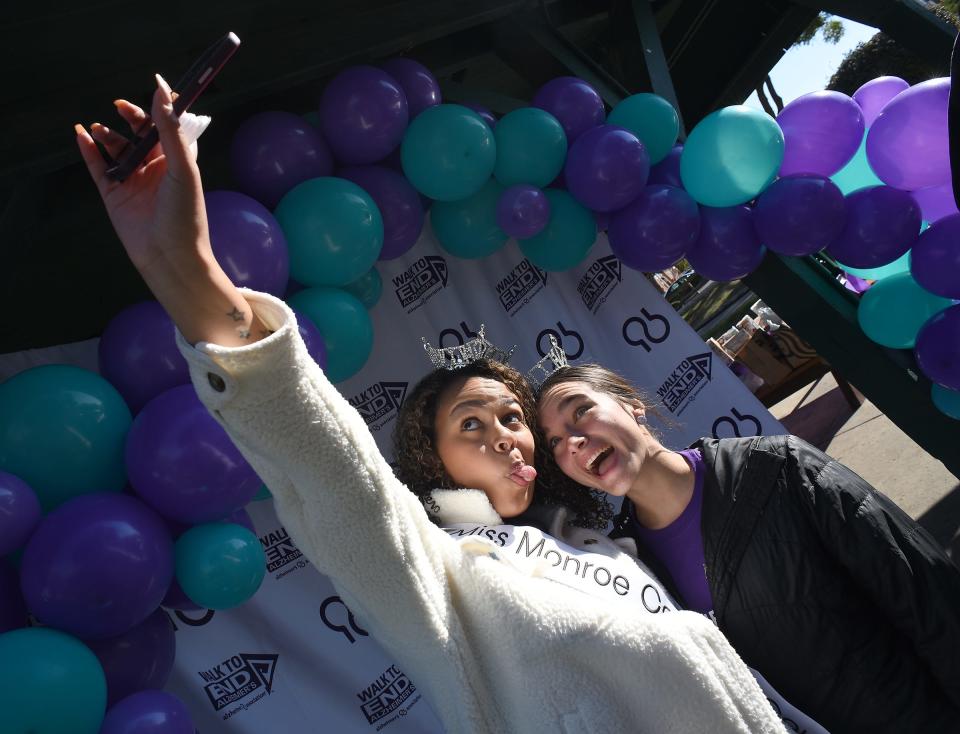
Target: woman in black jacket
{"x": 846, "y": 605}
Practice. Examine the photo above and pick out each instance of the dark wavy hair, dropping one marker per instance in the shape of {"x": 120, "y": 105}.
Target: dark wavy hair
{"x": 418, "y": 465}
{"x": 605, "y": 380}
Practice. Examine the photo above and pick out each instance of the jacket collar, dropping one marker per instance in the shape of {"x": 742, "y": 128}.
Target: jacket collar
{"x": 448, "y": 506}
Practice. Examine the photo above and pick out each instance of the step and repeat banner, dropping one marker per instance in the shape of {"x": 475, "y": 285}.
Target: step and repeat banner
{"x": 294, "y": 658}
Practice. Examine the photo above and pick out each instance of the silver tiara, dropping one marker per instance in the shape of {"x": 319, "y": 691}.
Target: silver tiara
{"x": 472, "y": 350}
{"x": 554, "y": 359}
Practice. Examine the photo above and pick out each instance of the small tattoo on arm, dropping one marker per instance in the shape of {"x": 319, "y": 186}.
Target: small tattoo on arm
{"x": 236, "y": 314}
{"x": 244, "y": 333}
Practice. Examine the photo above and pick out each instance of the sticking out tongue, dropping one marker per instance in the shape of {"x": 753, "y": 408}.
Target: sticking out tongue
{"x": 526, "y": 472}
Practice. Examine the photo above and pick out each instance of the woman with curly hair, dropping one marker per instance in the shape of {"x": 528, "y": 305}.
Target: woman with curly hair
{"x": 496, "y": 641}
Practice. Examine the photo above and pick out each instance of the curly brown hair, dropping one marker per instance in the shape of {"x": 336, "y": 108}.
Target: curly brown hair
{"x": 418, "y": 465}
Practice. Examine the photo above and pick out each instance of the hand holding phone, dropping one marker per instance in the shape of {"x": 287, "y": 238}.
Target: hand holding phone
{"x": 188, "y": 89}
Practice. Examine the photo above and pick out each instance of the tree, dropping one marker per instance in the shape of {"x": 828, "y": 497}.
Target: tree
{"x": 882, "y": 56}
{"x": 831, "y": 30}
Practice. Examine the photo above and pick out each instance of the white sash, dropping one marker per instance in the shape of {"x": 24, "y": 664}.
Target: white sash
{"x": 535, "y": 553}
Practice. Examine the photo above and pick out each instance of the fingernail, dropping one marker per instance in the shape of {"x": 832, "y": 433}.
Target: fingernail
{"x": 162, "y": 83}
{"x": 78, "y": 129}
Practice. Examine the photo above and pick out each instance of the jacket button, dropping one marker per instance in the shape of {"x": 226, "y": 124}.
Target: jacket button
{"x": 216, "y": 382}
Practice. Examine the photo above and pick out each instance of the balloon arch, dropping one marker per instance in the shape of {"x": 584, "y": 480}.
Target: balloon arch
{"x": 320, "y": 200}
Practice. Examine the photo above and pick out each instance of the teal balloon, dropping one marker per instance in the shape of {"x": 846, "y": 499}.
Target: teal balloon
{"x": 566, "y": 239}
{"x": 50, "y": 683}
{"x": 857, "y": 174}
{"x": 344, "y": 324}
{"x": 63, "y": 430}
{"x": 900, "y": 265}
{"x": 448, "y": 152}
{"x": 367, "y": 288}
{"x": 652, "y": 119}
{"x": 219, "y": 565}
{"x": 531, "y": 147}
{"x": 947, "y": 401}
{"x": 334, "y": 231}
{"x": 731, "y": 156}
{"x": 468, "y": 228}
{"x": 892, "y": 311}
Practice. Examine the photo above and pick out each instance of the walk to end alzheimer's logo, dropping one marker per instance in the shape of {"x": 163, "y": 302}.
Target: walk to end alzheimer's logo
{"x": 388, "y": 696}
{"x": 688, "y": 378}
{"x": 239, "y": 682}
{"x": 283, "y": 557}
{"x": 521, "y": 284}
{"x": 420, "y": 282}
{"x": 596, "y": 285}
{"x": 379, "y": 403}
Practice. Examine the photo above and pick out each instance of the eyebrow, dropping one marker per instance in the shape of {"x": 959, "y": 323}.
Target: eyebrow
{"x": 563, "y": 404}
{"x": 482, "y": 403}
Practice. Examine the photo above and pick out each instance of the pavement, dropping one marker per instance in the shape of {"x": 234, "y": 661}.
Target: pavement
{"x": 869, "y": 443}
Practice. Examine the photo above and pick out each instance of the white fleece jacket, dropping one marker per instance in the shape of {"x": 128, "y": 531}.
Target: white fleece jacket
{"x": 492, "y": 650}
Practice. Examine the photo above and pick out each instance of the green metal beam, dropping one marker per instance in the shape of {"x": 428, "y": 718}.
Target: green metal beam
{"x": 824, "y": 313}
{"x": 657, "y": 67}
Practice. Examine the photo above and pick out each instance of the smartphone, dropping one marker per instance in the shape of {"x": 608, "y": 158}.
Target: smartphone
{"x": 188, "y": 89}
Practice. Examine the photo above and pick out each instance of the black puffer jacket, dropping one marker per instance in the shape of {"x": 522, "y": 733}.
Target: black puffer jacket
{"x": 847, "y": 606}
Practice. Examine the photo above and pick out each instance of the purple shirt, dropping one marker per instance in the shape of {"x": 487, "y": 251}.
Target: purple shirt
{"x": 679, "y": 546}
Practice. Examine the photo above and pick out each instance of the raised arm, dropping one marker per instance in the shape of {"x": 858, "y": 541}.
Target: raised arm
{"x": 333, "y": 490}
{"x": 159, "y": 215}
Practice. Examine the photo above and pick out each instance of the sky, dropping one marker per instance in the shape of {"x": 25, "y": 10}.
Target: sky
{"x": 805, "y": 69}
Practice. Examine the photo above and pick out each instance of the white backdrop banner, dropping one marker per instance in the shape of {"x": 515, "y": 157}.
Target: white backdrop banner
{"x": 293, "y": 658}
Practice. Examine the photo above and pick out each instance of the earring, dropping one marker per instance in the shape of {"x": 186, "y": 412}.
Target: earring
{"x": 641, "y": 420}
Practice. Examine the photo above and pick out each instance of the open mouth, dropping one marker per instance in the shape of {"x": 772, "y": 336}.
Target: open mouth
{"x": 593, "y": 466}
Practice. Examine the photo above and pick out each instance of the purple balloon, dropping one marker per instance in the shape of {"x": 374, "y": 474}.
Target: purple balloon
{"x": 882, "y": 224}
{"x": 667, "y": 171}
{"x": 821, "y": 132}
{"x": 799, "y": 215}
{"x": 19, "y": 512}
{"x": 138, "y": 354}
{"x": 398, "y": 202}
{"x": 97, "y": 565}
{"x": 485, "y": 114}
{"x": 856, "y": 284}
{"x": 418, "y": 83}
{"x": 182, "y": 463}
{"x": 248, "y": 242}
{"x": 312, "y": 338}
{"x": 142, "y": 657}
{"x": 523, "y": 211}
{"x": 176, "y": 598}
{"x": 148, "y": 712}
{"x": 242, "y": 518}
{"x": 936, "y": 202}
{"x": 728, "y": 247}
{"x": 907, "y": 146}
{"x": 363, "y": 114}
{"x": 935, "y": 257}
{"x": 573, "y": 102}
{"x": 938, "y": 348}
{"x": 654, "y": 231}
{"x": 13, "y": 610}
{"x": 606, "y": 168}
{"x": 272, "y": 152}
{"x": 603, "y": 220}
{"x": 874, "y": 95}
